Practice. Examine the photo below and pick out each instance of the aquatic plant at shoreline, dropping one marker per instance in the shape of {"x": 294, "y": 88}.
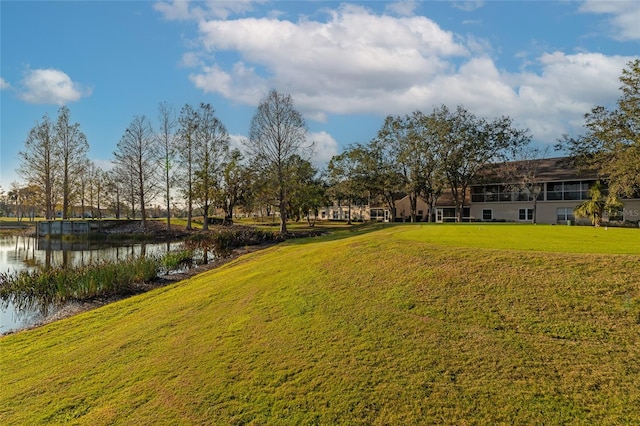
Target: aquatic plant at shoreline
{"x": 173, "y": 260}
{"x": 56, "y": 286}
{"x": 222, "y": 241}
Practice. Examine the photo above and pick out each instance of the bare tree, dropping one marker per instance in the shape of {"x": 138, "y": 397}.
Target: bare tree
{"x": 113, "y": 187}
{"x": 137, "y": 152}
{"x": 38, "y": 162}
{"x": 188, "y": 121}
{"x": 277, "y": 133}
{"x": 73, "y": 148}
{"x": 16, "y": 196}
{"x": 95, "y": 184}
{"x": 167, "y": 146}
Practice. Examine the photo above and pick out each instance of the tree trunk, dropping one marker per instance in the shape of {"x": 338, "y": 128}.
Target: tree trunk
{"x": 189, "y": 202}
{"x": 143, "y": 209}
{"x": 205, "y": 214}
{"x": 283, "y": 217}
{"x": 413, "y": 200}
{"x": 168, "y": 196}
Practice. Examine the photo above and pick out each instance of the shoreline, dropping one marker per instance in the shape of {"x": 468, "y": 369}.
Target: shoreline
{"x": 81, "y": 306}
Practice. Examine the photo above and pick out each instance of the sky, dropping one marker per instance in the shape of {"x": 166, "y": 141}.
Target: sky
{"x": 347, "y": 65}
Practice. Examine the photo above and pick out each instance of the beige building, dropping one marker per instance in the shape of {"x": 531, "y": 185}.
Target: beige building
{"x": 445, "y": 209}
{"x": 359, "y": 212}
{"x": 492, "y": 199}
{"x": 562, "y": 188}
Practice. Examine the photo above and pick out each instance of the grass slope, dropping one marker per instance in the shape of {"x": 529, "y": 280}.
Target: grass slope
{"x": 399, "y": 325}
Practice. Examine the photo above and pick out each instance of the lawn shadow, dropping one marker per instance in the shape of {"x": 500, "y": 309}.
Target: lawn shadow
{"x": 340, "y": 233}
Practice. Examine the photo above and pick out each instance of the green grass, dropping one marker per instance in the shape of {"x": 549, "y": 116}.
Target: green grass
{"x": 405, "y": 324}
{"x": 549, "y": 238}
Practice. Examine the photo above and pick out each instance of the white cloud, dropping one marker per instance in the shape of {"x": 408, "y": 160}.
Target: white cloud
{"x": 329, "y": 67}
{"x": 238, "y": 142}
{"x": 50, "y": 86}
{"x": 468, "y": 6}
{"x": 625, "y": 16}
{"x": 4, "y": 84}
{"x": 241, "y": 84}
{"x": 357, "y": 62}
{"x": 191, "y": 60}
{"x": 324, "y": 147}
{"x": 567, "y": 88}
{"x": 105, "y": 165}
{"x": 184, "y": 10}
{"x": 402, "y": 7}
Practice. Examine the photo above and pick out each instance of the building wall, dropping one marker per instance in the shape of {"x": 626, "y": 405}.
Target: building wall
{"x": 403, "y": 209}
{"x": 358, "y": 212}
{"x": 546, "y": 211}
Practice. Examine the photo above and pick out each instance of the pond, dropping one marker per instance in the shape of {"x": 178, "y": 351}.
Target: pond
{"x": 18, "y": 253}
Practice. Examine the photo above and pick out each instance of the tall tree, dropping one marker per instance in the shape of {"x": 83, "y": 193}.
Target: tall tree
{"x": 186, "y": 143}
{"x": 38, "y": 163}
{"x": 211, "y": 148}
{"x": 72, "y": 148}
{"x": 611, "y": 144}
{"x": 16, "y": 196}
{"x": 376, "y": 172}
{"x": 114, "y": 191}
{"x": 468, "y": 143}
{"x": 95, "y": 182}
{"x": 167, "y": 147}
{"x": 415, "y": 154}
{"x": 277, "y": 133}
{"x": 235, "y": 182}
{"x": 125, "y": 184}
{"x": 343, "y": 181}
{"x": 307, "y": 192}
{"x": 137, "y": 153}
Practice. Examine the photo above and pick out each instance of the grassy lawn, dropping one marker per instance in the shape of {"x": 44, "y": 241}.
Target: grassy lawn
{"x": 395, "y": 324}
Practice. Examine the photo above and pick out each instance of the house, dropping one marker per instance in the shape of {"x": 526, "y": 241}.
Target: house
{"x": 445, "y": 209}
{"x": 552, "y": 193}
{"x": 560, "y": 189}
{"x": 359, "y": 212}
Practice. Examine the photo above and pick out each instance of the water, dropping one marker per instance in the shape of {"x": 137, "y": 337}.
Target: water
{"x": 18, "y": 253}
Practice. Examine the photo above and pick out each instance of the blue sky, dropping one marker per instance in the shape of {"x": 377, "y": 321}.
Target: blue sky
{"x": 346, "y": 64}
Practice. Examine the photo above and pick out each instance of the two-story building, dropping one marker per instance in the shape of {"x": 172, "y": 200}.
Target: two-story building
{"x": 559, "y": 187}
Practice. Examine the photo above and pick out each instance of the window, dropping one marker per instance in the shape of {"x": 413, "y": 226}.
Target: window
{"x": 492, "y": 193}
{"x": 554, "y": 191}
{"x": 504, "y": 195}
{"x": 487, "y": 214}
{"x": 525, "y": 214}
{"x": 564, "y": 213}
{"x": 572, "y": 190}
{"x": 477, "y": 194}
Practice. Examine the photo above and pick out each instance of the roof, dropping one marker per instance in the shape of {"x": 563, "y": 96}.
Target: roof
{"x": 549, "y": 170}
{"x": 446, "y": 199}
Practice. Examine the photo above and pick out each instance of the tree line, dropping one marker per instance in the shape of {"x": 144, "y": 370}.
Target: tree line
{"x": 188, "y": 156}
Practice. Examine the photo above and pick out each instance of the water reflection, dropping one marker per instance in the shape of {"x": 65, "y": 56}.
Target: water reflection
{"x": 20, "y": 253}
